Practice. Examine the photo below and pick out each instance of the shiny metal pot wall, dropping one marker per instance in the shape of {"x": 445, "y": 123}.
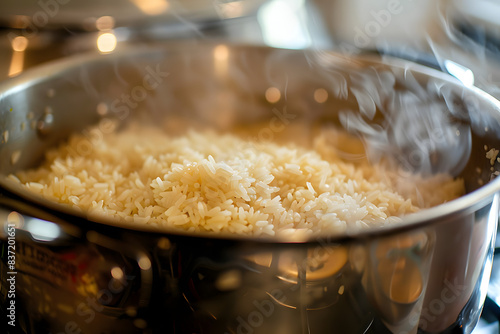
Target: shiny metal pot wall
{"x": 81, "y": 273}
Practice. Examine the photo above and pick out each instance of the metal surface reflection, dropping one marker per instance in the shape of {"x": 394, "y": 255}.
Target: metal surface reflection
{"x": 106, "y": 42}
{"x": 221, "y": 56}
{"x": 42, "y": 230}
{"x": 151, "y": 7}
{"x": 462, "y": 73}
{"x": 396, "y": 278}
{"x": 19, "y": 46}
{"x": 284, "y": 25}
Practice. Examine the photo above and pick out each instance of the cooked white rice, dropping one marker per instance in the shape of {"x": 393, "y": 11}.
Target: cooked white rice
{"x": 205, "y": 181}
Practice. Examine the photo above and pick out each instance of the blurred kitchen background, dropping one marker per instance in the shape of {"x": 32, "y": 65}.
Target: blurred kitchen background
{"x": 461, "y": 37}
{"x": 431, "y": 31}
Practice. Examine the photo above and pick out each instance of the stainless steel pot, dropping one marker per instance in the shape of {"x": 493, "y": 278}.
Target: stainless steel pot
{"x": 81, "y": 273}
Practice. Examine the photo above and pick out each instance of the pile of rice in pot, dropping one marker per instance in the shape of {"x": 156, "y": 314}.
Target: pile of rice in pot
{"x": 204, "y": 181}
